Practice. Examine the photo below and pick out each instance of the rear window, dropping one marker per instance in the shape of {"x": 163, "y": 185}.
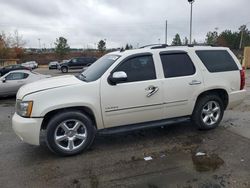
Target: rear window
{"x": 217, "y": 60}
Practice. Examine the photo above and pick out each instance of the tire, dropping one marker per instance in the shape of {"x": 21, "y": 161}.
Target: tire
{"x": 208, "y": 112}
{"x": 70, "y": 133}
{"x": 64, "y": 69}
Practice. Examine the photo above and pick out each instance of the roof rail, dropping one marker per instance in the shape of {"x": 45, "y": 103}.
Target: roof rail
{"x": 154, "y": 45}
{"x": 157, "y": 46}
{"x": 161, "y": 46}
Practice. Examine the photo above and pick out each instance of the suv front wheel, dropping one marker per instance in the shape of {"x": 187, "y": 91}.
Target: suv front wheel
{"x": 64, "y": 69}
{"x": 70, "y": 133}
{"x": 208, "y": 112}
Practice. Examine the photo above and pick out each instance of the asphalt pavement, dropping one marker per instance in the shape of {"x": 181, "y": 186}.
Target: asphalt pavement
{"x": 119, "y": 160}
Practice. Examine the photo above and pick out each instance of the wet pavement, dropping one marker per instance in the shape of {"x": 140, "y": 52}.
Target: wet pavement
{"x": 118, "y": 160}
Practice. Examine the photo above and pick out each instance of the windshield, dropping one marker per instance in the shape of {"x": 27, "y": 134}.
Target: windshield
{"x": 97, "y": 69}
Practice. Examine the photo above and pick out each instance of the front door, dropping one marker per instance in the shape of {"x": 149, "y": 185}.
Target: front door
{"x": 138, "y": 99}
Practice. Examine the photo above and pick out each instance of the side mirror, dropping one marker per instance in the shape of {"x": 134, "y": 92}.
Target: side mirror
{"x": 117, "y": 77}
{"x": 3, "y": 80}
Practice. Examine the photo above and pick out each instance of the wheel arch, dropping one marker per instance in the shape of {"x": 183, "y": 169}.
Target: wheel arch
{"x": 222, "y": 93}
{"x": 64, "y": 66}
{"x": 86, "y": 110}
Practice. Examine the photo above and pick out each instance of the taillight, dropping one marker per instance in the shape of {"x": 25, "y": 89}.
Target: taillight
{"x": 242, "y": 78}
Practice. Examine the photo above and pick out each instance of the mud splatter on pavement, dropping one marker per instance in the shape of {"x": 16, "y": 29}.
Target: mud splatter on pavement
{"x": 206, "y": 162}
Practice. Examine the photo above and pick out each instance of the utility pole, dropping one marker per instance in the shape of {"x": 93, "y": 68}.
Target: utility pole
{"x": 166, "y": 32}
{"x": 39, "y": 43}
{"x": 191, "y": 20}
{"x": 242, "y": 29}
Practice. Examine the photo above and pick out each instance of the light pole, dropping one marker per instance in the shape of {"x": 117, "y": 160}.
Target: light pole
{"x": 166, "y": 32}
{"x": 242, "y": 28}
{"x": 105, "y": 40}
{"x": 191, "y": 19}
{"x": 39, "y": 43}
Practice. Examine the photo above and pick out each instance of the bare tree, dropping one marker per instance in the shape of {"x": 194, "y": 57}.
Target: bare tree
{"x": 17, "y": 40}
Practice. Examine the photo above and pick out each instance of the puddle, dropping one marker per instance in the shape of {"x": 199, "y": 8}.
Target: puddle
{"x": 207, "y": 162}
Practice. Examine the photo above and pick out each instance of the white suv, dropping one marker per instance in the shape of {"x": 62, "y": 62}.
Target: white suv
{"x": 130, "y": 90}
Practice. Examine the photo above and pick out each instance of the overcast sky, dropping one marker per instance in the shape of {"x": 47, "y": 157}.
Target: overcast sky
{"x": 85, "y": 22}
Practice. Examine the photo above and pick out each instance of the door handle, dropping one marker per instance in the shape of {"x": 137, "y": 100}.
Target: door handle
{"x": 195, "y": 82}
{"x": 152, "y": 90}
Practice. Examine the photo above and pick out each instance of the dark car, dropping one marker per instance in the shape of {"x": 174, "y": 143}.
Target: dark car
{"x": 76, "y": 63}
{"x": 6, "y": 69}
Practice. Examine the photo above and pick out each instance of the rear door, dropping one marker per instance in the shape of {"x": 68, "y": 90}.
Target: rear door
{"x": 182, "y": 82}
{"x": 130, "y": 102}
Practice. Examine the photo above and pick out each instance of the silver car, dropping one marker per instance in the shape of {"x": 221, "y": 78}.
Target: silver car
{"x": 30, "y": 64}
{"x": 12, "y": 81}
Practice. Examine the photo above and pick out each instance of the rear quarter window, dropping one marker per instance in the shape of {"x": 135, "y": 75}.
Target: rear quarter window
{"x": 217, "y": 60}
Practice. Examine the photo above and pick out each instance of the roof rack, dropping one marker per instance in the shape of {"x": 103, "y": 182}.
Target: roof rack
{"x": 161, "y": 46}
{"x": 155, "y": 45}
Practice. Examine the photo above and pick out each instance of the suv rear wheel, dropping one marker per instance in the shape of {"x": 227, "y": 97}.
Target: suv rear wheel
{"x": 70, "y": 133}
{"x": 64, "y": 69}
{"x": 208, "y": 112}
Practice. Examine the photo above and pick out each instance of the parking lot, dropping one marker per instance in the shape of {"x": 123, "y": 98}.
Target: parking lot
{"x": 118, "y": 160}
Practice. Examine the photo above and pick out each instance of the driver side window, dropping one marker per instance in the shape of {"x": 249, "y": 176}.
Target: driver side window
{"x": 139, "y": 68}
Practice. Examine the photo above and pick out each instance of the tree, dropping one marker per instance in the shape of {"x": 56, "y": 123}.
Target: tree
{"x": 211, "y": 38}
{"x": 230, "y": 39}
{"x": 128, "y": 47}
{"x": 17, "y": 40}
{"x": 177, "y": 40}
{"x": 61, "y": 47}
{"x": 4, "y": 48}
{"x": 194, "y": 42}
{"x": 185, "y": 41}
{"x": 11, "y": 46}
{"x": 101, "y": 45}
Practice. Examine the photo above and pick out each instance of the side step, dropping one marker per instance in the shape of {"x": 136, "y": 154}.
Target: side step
{"x": 151, "y": 124}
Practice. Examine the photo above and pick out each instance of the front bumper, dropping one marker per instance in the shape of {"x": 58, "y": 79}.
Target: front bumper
{"x": 28, "y": 129}
{"x": 237, "y": 97}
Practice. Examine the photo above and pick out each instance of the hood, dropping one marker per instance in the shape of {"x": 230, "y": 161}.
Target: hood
{"x": 46, "y": 84}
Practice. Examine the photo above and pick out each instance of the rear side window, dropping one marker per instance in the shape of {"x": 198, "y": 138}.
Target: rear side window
{"x": 217, "y": 60}
{"x": 175, "y": 65}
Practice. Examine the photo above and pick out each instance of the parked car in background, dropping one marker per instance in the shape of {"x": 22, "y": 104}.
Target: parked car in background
{"x": 53, "y": 65}
{"x": 6, "y": 69}
{"x": 30, "y": 64}
{"x": 65, "y": 61}
{"x": 76, "y": 63}
{"x": 12, "y": 81}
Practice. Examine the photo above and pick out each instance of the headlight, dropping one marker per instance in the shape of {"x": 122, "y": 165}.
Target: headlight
{"x": 24, "y": 108}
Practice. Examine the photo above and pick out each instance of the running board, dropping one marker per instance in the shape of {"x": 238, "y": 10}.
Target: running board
{"x": 139, "y": 126}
